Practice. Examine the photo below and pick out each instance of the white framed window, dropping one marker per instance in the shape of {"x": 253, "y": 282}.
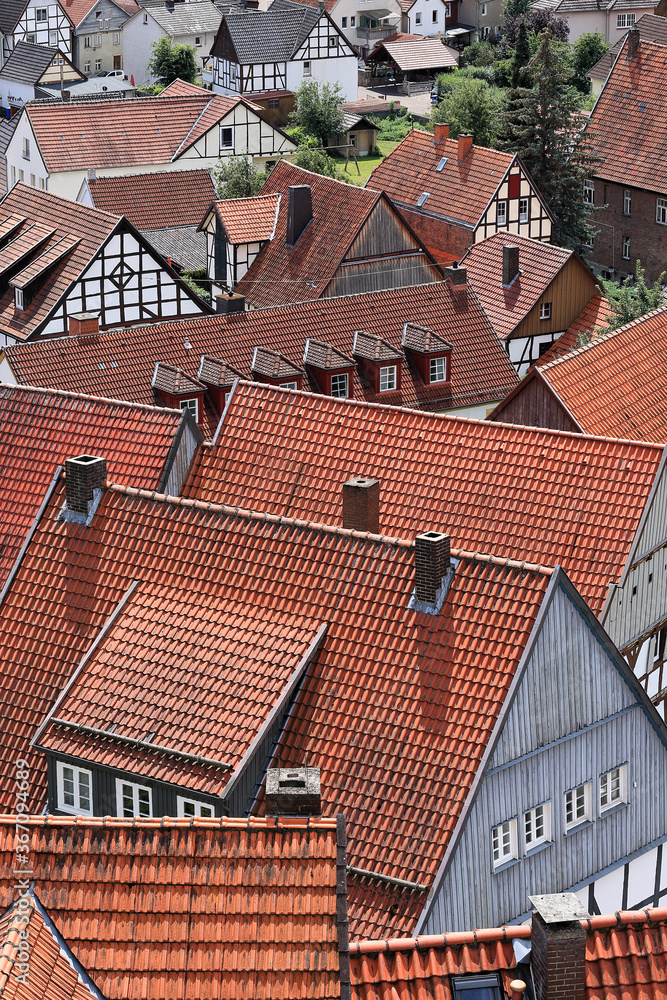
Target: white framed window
{"x": 418, "y": 17}
{"x": 13, "y": 176}
{"x": 504, "y": 843}
{"x": 232, "y": 72}
{"x": 626, "y": 248}
{"x": 53, "y": 38}
{"x": 133, "y": 800}
{"x": 353, "y": 141}
{"x": 661, "y": 211}
{"x": 353, "y": 21}
{"x": 18, "y": 298}
{"x": 306, "y": 68}
{"x": 145, "y": 18}
{"x": 87, "y": 41}
{"x": 32, "y": 180}
{"x": 625, "y": 20}
{"x": 75, "y": 788}
{"x": 289, "y": 385}
{"x": 192, "y": 406}
{"x": 537, "y": 826}
{"x": 41, "y": 14}
{"x": 42, "y": 183}
{"x": 388, "y": 378}
{"x": 98, "y": 65}
{"x": 448, "y": 10}
{"x": 86, "y": 67}
{"x": 438, "y": 369}
{"x": 545, "y": 310}
{"x": 343, "y": 22}
{"x": 613, "y": 788}
{"x": 116, "y": 37}
{"x": 483, "y": 10}
{"x": 501, "y": 213}
{"x": 32, "y": 38}
{"x": 191, "y": 807}
{"x": 523, "y": 210}
{"x": 339, "y": 385}
{"x": 627, "y": 202}
{"x": 333, "y": 41}
{"x": 226, "y": 137}
{"x": 434, "y": 16}
{"x": 21, "y": 175}
{"x": 98, "y": 40}
{"x": 578, "y": 806}
{"x": 198, "y": 41}
{"x": 26, "y": 148}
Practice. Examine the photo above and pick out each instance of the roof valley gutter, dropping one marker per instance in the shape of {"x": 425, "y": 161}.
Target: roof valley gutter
{"x": 230, "y": 397}
{"x": 29, "y": 536}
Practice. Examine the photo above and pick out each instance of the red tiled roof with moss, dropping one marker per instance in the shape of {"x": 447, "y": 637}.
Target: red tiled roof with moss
{"x": 154, "y": 201}
{"x": 187, "y": 909}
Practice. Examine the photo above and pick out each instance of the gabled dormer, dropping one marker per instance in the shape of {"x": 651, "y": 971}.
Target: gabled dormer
{"x": 269, "y": 366}
{"x": 379, "y": 362}
{"x": 331, "y": 370}
{"x": 430, "y": 354}
{"x": 218, "y": 378}
{"x": 178, "y": 390}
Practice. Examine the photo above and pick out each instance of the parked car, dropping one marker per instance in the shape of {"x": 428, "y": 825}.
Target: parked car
{"x": 118, "y": 73}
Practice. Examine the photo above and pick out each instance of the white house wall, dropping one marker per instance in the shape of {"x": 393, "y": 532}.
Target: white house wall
{"x": 14, "y": 156}
{"x": 55, "y": 31}
{"x": 137, "y": 41}
{"x": 427, "y": 26}
{"x": 603, "y": 21}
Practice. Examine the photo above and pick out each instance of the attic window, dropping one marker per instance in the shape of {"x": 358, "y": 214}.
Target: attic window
{"x": 421, "y": 200}
{"x": 484, "y": 987}
{"x": 227, "y": 138}
{"x": 438, "y": 369}
{"x": 441, "y": 166}
{"x": 145, "y": 18}
{"x": 192, "y": 406}
{"x": 333, "y": 41}
{"x": 18, "y": 298}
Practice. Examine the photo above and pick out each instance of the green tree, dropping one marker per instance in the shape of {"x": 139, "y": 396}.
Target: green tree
{"x": 521, "y": 58}
{"x": 235, "y": 177}
{"x": 170, "y": 61}
{"x": 470, "y": 106}
{"x": 318, "y": 109}
{"x": 515, "y": 8}
{"x": 630, "y": 299}
{"x": 316, "y": 160}
{"x": 586, "y": 51}
{"x": 544, "y": 126}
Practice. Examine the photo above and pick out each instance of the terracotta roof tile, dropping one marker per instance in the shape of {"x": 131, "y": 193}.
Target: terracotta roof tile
{"x": 461, "y": 190}
{"x": 196, "y": 909}
{"x": 212, "y": 371}
{"x": 481, "y": 370}
{"x": 324, "y": 356}
{"x": 374, "y": 348}
{"x": 419, "y": 338}
{"x": 249, "y": 220}
{"x": 273, "y": 364}
{"x": 173, "y": 380}
{"x": 590, "y": 322}
{"x": 152, "y": 201}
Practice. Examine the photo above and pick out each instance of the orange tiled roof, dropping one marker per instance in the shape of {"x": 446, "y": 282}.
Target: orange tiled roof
{"x": 249, "y": 220}
{"x": 481, "y": 370}
{"x": 589, "y": 323}
{"x": 101, "y": 134}
{"x": 460, "y": 191}
{"x": 76, "y": 576}
{"x": 613, "y": 385}
{"x": 41, "y": 428}
{"x": 76, "y": 10}
{"x": 153, "y": 201}
{"x": 631, "y": 145}
{"x": 626, "y": 956}
{"x": 187, "y": 909}
{"x": 511, "y": 490}
{"x": 539, "y": 263}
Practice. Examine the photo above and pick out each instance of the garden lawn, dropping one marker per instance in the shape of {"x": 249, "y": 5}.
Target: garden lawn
{"x": 366, "y": 164}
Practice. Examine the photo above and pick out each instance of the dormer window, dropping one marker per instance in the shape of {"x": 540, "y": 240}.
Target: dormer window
{"x": 388, "y": 379}
{"x": 430, "y": 353}
{"x": 18, "y": 298}
{"x": 438, "y": 369}
{"x": 340, "y": 386}
{"x": 329, "y": 368}
{"x": 178, "y": 390}
{"x": 191, "y": 405}
{"x": 275, "y": 369}
{"x": 379, "y": 361}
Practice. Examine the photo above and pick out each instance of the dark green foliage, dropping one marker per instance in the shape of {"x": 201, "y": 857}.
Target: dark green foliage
{"x": 631, "y": 299}
{"x": 316, "y": 160}
{"x": 318, "y": 110}
{"x": 170, "y": 61}
{"x": 194, "y": 279}
{"x": 521, "y": 58}
{"x": 470, "y": 105}
{"x": 235, "y": 177}
{"x": 394, "y": 127}
{"x": 513, "y": 9}
{"x": 536, "y": 21}
{"x": 478, "y": 54}
{"x": 586, "y": 51}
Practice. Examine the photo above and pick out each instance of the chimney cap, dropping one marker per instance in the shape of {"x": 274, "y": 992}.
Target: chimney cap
{"x": 293, "y": 791}
{"x": 559, "y": 907}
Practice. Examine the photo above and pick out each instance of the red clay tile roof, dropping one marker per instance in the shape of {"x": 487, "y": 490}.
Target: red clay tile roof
{"x": 249, "y": 220}
{"x": 631, "y": 146}
{"x": 613, "y": 386}
{"x": 481, "y": 370}
{"x": 173, "y": 380}
{"x": 494, "y": 487}
{"x": 153, "y": 201}
{"x": 189, "y": 909}
{"x": 212, "y": 371}
{"x": 41, "y": 428}
{"x": 273, "y": 364}
{"x": 539, "y": 264}
{"x": 590, "y": 322}
{"x": 324, "y": 356}
{"x": 462, "y": 190}
{"x": 374, "y": 348}
{"x": 101, "y": 134}
{"x": 419, "y": 338}
{"x": 626, "y": 956}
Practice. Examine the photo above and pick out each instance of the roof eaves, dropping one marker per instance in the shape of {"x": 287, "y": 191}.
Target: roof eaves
{"x": 64, "y": 948}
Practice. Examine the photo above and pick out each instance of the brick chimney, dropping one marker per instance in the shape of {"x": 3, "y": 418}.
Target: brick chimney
{"x": 457, "y": 275}
{"x": 441, "y": 132}
{"x": 299, "y": 211}
{"x": 432, "y": 551}
{"x": 361, "y": 504}
{"x": 465, "y": 145}
{"x": 83, "y": 475}
{"x": 510, "y": 263}
{"x": 83, "y": 323}
{"x": 633, "y": 42}
{"x": 230, "y": 303}
{"x": 558, "y": 947}
{"x": 293, "y": 791}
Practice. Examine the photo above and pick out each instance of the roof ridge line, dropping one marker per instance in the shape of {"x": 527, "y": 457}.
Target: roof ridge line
{"x": 96, "y": 399}
{"x": 503, "y": 561}
{"x": 603, "y": 338}
{"x": 185, "y": 822}
{"x": 41, "y": 193}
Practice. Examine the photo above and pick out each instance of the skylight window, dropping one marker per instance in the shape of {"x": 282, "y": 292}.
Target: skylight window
{"x": 441, "y": 166}
{"x": 421, "y": 200}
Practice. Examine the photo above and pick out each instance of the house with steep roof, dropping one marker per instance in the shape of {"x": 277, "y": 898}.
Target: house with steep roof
{"x": 182, "y": 129}
{"x": 235, "y": 231}
{"x": 454, "y": 193}
{"x": 256, "y": 51}
{"x": 29, "y": 72}
{"x": 93, "y": 933}
{"x": 99, "y": 33}
{"x": 532, "y": 292}
{"x": 590, "y": 322}
{"x": 151, "y": 724}
{"x": 328, "y": 239}
{"x": 36, "y": 22}
{"x": 419, "y": 59}
{"x": 60, "y": 260}
{"x": 194, "y": 23}
{"x": 651, "y": 28}
{"x": 475, "y": 376}
{"x": 165, "y": 207}
{"x": 628, "y": 190}
{"x": 611, "y": 18}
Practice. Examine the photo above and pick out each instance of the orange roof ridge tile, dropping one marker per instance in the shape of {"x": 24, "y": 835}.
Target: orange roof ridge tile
{"x": 652, "y": 914}
{"x": 68, "y": 394}
{"x": 168, "y": 822}
{"x": 67, "y": 202}
{"x": 603, "y": 338}
{"x": 501, "y": 561}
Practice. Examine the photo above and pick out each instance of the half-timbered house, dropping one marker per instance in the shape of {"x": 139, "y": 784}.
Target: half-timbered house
{"x": 60, "y": 259}
{"x": 236, "y": 230}
{"x": 185, "y": 128}
{"x": 29, "y": 71}
{"x": 276, "y": 50}
{"x": 34, "y": 21}
{"x": 454, "y": 193}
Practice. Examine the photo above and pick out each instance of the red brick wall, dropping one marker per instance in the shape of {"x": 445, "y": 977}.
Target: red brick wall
{"x": 439, "y": 235}
{"x": 648, "y": 239}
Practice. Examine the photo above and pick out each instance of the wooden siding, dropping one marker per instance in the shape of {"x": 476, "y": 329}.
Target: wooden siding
{"x": 569, "y": 294}
{"x": 535, "y": 405}
{"x": 181, "y": 461}
{"x": 382, "y": 233}
{"x": 590, "y": 721}
{"x": 373, "y": 276}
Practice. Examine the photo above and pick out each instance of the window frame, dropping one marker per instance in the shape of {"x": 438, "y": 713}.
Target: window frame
{"x": 461, "y": 985}
{"x": 388, "y": 372}
{"x": 87, "y": 41}
{"x": 223, "y": 129}
{"x": 418, "y": 17}
{"x": 186, "y": 406}
{"x": 343, "y": 22}
{"x": 627, "y": 201}
{"x": 25, "y": 150}
{"x": 434, "y": 16}
{"x": 502, "y": 202}
{"x": 332, "y": 42}
{"x": 41, "y": 10}
{"x": 341, "y": 395}
{"x": 76, "y": 809}
{"x": 524, "y": 216}
{"x": 136, "y": 788}
{"x": 545, "y": 310}
{"x": 483, "y": 10}
{"x": 589, "y": 191}
{"x": 530, "y": 815}
{"x": 182, "y": 801}
{"x": 353, "y": 20}
{"x": 53, "y": 37}
{"x": 98, "y": 65}
{"x": 622, "y": 797}
{"x": 307, "y": 67}
{"x": 497, "y": 838}
{"x": 578, "y": 821}
{"x": 433, "y": 365}
{"x": 661, "y": 210}
{"x": 625, "y": 248}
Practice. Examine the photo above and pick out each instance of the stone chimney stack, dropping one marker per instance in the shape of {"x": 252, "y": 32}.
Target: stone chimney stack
{"x": 361, "y": 505}
{"x": 293, "y": 791}
{"x": 510, "y": 263}
{"x": 558, "y": 947}
{"x": 299, "y": 211}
